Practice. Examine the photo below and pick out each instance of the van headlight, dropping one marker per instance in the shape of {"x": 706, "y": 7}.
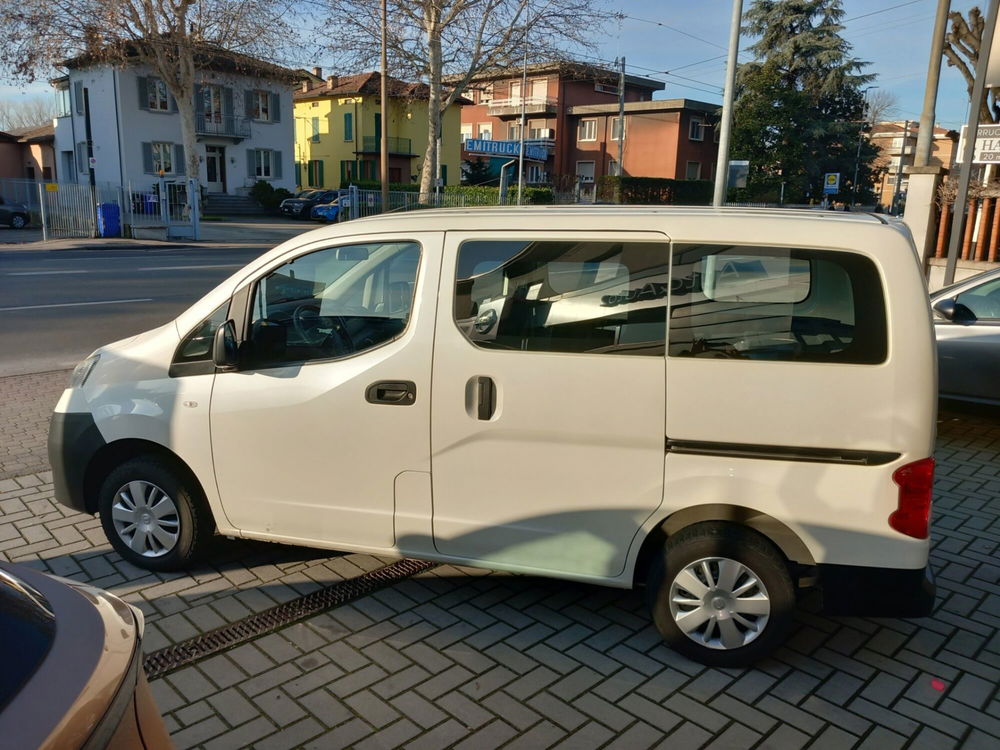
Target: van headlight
{"x": 82, "y": 371}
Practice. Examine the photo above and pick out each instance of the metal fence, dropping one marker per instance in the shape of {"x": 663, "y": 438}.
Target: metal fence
{"x": 369, "y": 202}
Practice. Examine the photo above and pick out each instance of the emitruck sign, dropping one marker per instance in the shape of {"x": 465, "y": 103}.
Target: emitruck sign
{"x": 987, "y": 145}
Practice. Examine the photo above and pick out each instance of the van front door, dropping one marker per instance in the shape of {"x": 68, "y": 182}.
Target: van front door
{"x": 547, "y": 444}
{"x": 310, "y": 434}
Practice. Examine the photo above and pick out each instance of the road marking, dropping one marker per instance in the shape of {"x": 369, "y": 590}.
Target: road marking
{"x": 42, "y": 273}
{"x": 77, "y": 304}
{"x": 190, "y": 268}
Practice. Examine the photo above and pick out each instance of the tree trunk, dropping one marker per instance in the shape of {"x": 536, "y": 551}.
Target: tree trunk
{"x": 428, "y": 173}
{"x": 984, "y": 227}
{"x": 942, "y": 230}
{"x": 970, "y": 225}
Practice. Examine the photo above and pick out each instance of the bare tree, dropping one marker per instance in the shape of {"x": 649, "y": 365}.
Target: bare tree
{"x": 961, "y": 50}
{"x": 881, "y": 106}
{"x": 26, "y": 112}
{"x": 171, "y": 36}
{"x": 429, "y": 39}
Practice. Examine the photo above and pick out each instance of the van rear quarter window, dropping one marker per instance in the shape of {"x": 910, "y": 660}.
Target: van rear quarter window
{"x": 563, "y": 296}
{"x": 780, "y": 304}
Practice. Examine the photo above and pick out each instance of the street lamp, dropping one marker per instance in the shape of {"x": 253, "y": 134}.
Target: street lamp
{"x": 857, "y": 155}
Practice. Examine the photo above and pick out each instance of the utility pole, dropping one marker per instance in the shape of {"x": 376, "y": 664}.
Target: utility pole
{"x": 925, "y": 136}
{"x": 621, "y": 117}
{"x": 384, "y": 92}
{"x": 857, "y": 155}
{"x": 90, "y": 158}
{"x": 899, "y": 168}
{"x": 972, "y": 129}
{"x": 524, "y": 83}
{"x": 722, "y": 161}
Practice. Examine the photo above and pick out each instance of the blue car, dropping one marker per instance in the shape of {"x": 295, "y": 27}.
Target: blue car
{"x": 329, "y": 212}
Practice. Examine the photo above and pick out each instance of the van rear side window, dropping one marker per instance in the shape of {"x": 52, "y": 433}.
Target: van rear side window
{"x": 781, "y": 304}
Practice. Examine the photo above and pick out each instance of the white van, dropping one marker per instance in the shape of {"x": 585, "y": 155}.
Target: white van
{"x": 727, "y": 407}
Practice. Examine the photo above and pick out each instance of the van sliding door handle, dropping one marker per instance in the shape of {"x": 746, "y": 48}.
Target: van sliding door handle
{"x": 397, "y": 392}
{"x": 487, "y": 398}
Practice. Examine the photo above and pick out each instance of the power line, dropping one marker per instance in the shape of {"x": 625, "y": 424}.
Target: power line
{"x": 882, "y": 10}
{"x": 672, "y": 28}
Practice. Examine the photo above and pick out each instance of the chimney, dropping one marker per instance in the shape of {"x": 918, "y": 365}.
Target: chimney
{"x": 331, "y": 81}
{"x": 318, "y": 71}
{"x": 305, "y": 86}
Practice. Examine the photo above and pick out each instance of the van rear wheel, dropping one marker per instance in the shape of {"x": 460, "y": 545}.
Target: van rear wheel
{"x": 721, "y": 594}
{"x": 153, "y": 515}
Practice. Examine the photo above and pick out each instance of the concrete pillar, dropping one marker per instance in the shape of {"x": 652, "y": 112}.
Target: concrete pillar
{"x": 921, "y": 207}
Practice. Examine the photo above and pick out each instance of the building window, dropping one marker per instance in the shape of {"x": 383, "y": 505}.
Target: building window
{"x": 616, "y": 129}
{"x": 466, "y": 132}
{"x": 163, "y": 157}
{"x": 263, "y": 163}
{"x": 693, "y": 171}
{"x": 486, "y": 95}
{"x": 535, "y": 173}
{"x": 63, "y": 106}
{"x": 314, "y": 173}
{"x": 486, "y": 131}
{"x": 513, "y": 132}
{"x": 348, "y": 126}
{"x": 47, "y": 173}
{"x": 586, "y": 130}
{"x": 890, "y": 180}
{"x": 156, "y": 95}
{"x": 262, "y": 106}
{"x": 315, "y": 130}
{"x": 696, "y": 129}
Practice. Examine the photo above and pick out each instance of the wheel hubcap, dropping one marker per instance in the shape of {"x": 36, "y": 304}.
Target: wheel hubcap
{"x": 146, "y": 518}
{"x": 719, "y": 603}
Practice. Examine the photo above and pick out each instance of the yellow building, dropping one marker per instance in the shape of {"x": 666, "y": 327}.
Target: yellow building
{"x": 338, "y": 125}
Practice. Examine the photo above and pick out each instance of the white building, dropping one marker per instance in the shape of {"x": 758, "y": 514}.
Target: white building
{"x": 243, "y": 118}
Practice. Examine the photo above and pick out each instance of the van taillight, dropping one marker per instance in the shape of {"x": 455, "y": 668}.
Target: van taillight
{"x": 913, "y": 514}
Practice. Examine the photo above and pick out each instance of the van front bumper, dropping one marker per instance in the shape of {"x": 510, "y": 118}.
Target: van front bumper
{"x": 850, "y": 590}
{"x": 74, "y": 440}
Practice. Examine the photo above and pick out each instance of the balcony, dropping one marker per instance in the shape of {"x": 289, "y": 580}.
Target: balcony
{"x": 222, "y": 126}
{"x": 371, "y": 144}
{"x": 533, "y": 105}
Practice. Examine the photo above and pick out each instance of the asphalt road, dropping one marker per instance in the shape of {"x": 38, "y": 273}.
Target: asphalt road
{"x": 58, "y": 306}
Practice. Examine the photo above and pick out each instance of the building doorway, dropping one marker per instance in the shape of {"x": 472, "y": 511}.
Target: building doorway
{"x": 215, "y": 167}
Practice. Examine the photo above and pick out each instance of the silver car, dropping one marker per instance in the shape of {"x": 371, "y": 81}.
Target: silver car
{"x": 967, "y": 326}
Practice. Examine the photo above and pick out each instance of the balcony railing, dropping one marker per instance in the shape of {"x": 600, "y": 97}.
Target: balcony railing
{"x": 398, "y": 146}
{"x": 533, "y": 105}
{"x": 225, "y": 126}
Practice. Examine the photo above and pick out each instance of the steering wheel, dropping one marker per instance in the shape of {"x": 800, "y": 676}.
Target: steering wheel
{"x": 307, "y": 322}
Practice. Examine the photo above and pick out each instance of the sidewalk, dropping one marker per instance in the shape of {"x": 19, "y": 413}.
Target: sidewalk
{"x": 243, "y": 232}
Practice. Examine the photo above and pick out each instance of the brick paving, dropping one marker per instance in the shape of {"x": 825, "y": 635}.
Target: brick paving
{"x": 465, "y": 658}
{"x": 26, "y": 403}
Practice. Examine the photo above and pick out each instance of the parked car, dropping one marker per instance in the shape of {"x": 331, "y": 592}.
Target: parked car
{"x": 14, "y": 215}
{"x": 723, "y": 406}
{"x": 301, "y": 207}
{"x": 72, "y": 667}
{"x": 967, "y": 326}
{"x": 335, "y": 210}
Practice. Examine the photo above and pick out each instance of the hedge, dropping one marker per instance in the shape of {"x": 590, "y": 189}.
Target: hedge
{"x": 654, "y": 190}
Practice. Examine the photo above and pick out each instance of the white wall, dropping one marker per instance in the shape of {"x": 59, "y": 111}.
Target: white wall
{"x": 115, "y": 110}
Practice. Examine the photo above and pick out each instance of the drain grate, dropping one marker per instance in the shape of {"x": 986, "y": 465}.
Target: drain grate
{"x": 171, "y": 658}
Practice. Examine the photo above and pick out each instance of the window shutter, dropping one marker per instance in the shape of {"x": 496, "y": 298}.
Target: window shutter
{"x": 275, "y": 107}
{"x": 251, "y": 162}
{"x": 81, "y": 157}
{"x": 199, "y": 104}
{"x": 348, "y": 126}
{"x": 311, "y": 172}
{"x": 248, "y": 97}
{"x": 143, "y": 92}
{"x": 227, "y": 102}
{"x": 173, "y": 103}
{"x": 444, "y": 174}
{"x": 78, "y": 95}
{"x": 276, "y": 165}
{"x": 147, "y": 158}
{"x": 319, "y": 167}
{"x": 298, "y": 174}
{"x": 179, "y": 166}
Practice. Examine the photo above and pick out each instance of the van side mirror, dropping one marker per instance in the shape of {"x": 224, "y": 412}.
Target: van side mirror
{"x": 225, "y": 353}
{"x": 954, "y": 311}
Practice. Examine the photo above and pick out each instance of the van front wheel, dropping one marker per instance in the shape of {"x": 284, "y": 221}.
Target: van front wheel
{"x": 721, "y": 594}
{"x": 153, "y": 515}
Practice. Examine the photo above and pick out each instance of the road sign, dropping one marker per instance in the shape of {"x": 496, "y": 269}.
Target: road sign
{"x": 51, "y": 187}
{"x": 739, "y": 171}
{"x": 92, "y": 161}
{"x": 506, "y": 148}
{"x": 831, "y": 183}
{"x": 987, "y": 149}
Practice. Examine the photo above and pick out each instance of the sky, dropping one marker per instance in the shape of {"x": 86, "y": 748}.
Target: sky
{"x": 681, "y": 37}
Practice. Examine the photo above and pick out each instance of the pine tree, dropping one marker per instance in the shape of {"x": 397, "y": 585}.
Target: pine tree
{"x": 800, "y": 104}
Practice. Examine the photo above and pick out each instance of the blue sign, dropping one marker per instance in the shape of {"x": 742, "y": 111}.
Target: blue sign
{"x": 831, "y": 183}
{"x": 506, "y": 148}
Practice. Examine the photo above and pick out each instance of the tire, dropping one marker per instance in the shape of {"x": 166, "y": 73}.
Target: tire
{"x": 753, "y": 617}
{"x": 18, "y": 221}
{"x": 176, "y": 525}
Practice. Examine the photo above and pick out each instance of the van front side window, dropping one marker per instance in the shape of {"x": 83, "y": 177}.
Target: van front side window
{"x": 736, "y": 302}
{"x": 333, "y": 303}
{"x": 563, "y": 296}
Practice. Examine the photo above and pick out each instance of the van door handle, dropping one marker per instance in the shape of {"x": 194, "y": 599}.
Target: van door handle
{"x": 395, "y": 392}
{"x": 487, "y": 398}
